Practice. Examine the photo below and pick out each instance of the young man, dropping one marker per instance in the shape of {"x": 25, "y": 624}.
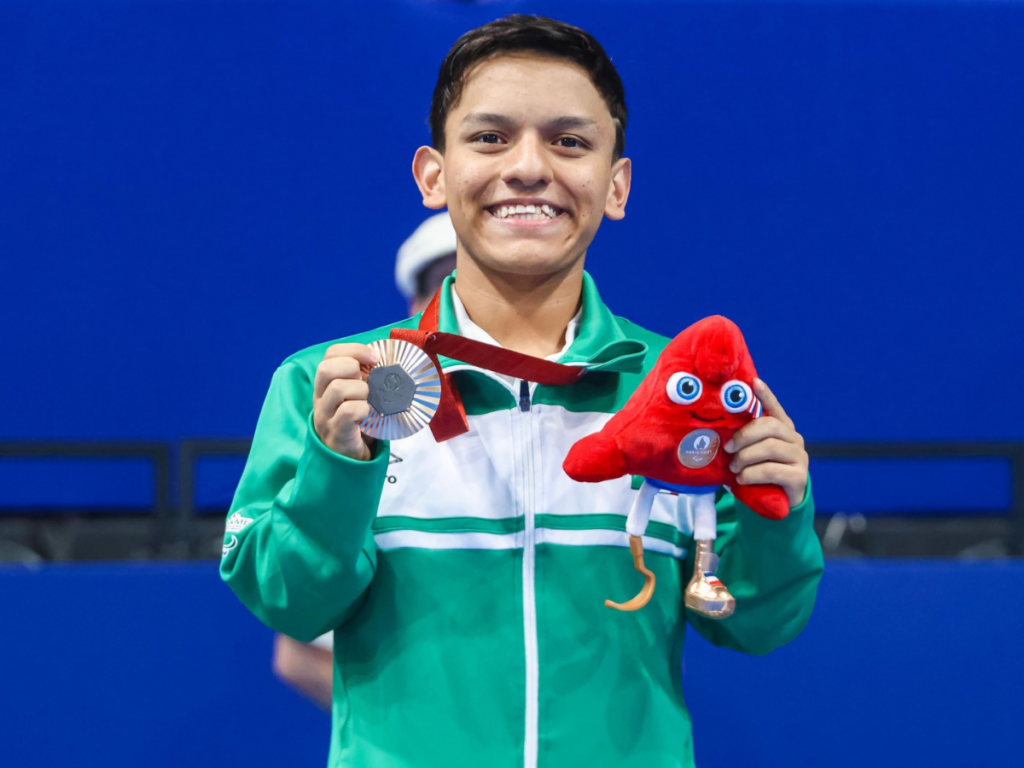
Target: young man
{"x": 464, "y": 580}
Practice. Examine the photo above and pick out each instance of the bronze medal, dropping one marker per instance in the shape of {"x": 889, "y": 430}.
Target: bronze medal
{"x": 698, "y": 448}
{"x": 405, "y": 389}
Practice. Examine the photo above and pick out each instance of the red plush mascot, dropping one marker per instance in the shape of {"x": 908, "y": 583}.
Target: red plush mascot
{"x": 670, "y": 432}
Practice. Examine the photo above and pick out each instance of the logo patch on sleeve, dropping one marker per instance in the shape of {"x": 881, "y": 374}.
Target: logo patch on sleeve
{"x": 229, "y": 546}
{"x": 237, "y": 523}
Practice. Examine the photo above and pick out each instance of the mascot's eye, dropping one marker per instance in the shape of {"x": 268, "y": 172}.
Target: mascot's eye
{"x": 736, "y": 396}
{"x": 684, "y": 388}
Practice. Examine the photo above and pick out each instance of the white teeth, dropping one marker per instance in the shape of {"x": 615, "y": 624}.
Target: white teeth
{"x": 526, "y": 212}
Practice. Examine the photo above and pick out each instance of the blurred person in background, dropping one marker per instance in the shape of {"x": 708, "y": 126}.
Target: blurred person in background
{"x": 424, "y": 260}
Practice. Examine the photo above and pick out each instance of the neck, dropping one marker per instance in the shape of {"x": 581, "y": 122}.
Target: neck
{"x": 524, "y": 313}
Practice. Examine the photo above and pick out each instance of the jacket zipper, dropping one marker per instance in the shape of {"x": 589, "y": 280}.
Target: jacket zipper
{"x": 529, "y": 593}
{"x": 524, "y": 396}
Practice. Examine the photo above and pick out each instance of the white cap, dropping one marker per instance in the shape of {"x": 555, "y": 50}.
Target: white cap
{"x": 432, "y": 239}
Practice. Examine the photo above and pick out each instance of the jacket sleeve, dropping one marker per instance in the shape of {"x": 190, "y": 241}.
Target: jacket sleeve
{"x": 772, "y": 568}
{"x": 299, "y": 548}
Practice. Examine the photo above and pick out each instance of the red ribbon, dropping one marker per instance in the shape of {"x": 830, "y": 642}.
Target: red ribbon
{"x": 450, "y": 419}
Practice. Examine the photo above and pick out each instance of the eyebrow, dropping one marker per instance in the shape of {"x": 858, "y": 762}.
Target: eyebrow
{"x": 563, "y": 123}
{"x": 488, "y": 118}
{"x": 504, "y": 121}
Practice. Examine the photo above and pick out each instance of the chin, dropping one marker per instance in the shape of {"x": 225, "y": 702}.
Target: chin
{"x": 526, "y": 258}
{"x": 529, "y": 265}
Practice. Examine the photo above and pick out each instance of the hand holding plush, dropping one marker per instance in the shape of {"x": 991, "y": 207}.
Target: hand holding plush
{"x": 699, "y": 393}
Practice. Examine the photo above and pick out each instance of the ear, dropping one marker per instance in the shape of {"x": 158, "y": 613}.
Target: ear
{"x": 428, "y": 170}
{"x": 618, "y": 192}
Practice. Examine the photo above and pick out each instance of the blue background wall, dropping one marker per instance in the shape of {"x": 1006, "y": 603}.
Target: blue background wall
{"x": 161, "y": 666}
{"x": 191, "y": 191}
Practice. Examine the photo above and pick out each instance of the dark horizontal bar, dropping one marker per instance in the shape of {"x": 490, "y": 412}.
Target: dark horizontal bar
{"x": 84, "y": 449}
{"x": 1012, "y": 451}
{"x": 217, "y": 447}
{"x": 63, "y": 510}
{"x": 931, "y": 514}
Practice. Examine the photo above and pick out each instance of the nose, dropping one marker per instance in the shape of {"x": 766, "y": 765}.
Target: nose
{"x": 528, "y": 164}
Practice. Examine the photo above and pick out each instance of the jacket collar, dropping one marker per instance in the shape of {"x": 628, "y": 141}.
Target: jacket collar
{"x": 600, "y": 344}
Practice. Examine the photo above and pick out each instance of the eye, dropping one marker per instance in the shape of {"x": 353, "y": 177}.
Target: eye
{"x": 736, "y": 396}
{"x": 684, "y": 388}
{"x": 488, "y": 138}
{"x": 569, "y": 142}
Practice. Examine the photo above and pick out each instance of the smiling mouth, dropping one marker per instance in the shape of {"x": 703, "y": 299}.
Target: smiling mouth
{"x": 543, "y": 212}
{"x": 706, "y": 421}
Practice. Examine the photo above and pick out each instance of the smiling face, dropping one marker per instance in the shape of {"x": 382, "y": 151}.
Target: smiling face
{"x": 527, "y": 173}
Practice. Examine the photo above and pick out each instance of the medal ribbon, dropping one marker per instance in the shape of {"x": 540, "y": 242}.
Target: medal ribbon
{"x": 450, "y": 419}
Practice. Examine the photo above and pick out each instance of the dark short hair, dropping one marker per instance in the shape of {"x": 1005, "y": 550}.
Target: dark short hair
{"x": 527, "y": 34}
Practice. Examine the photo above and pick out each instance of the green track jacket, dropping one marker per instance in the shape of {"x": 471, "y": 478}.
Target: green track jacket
{"x": 465, "y": 580}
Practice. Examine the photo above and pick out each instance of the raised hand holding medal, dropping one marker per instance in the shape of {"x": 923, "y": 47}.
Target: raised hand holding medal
{"x": 340, "y": 398}
{"x": 404, "y": 389}
{"x": 386, "y": 390}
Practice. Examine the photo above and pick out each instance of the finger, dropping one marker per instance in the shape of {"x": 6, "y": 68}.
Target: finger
{"x": 770, "y": 449}
{"x": 342, "y": 391}
{"x": 349, "y": 414}
{"x": 361, "y": 352}
{"x": 343, "y": 429}
{"x": 772, "y": 473}
{"x": 772, "y": 406}
{"x": 761, "y": 429}
{"x": 333, "y": 369}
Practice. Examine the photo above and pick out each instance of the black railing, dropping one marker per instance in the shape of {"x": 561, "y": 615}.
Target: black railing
{"x": 193, "y": 449}
{"x": 1011, "y": 452}
{"x": 158, "y": 453}
{"x": 190, "y": 451}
